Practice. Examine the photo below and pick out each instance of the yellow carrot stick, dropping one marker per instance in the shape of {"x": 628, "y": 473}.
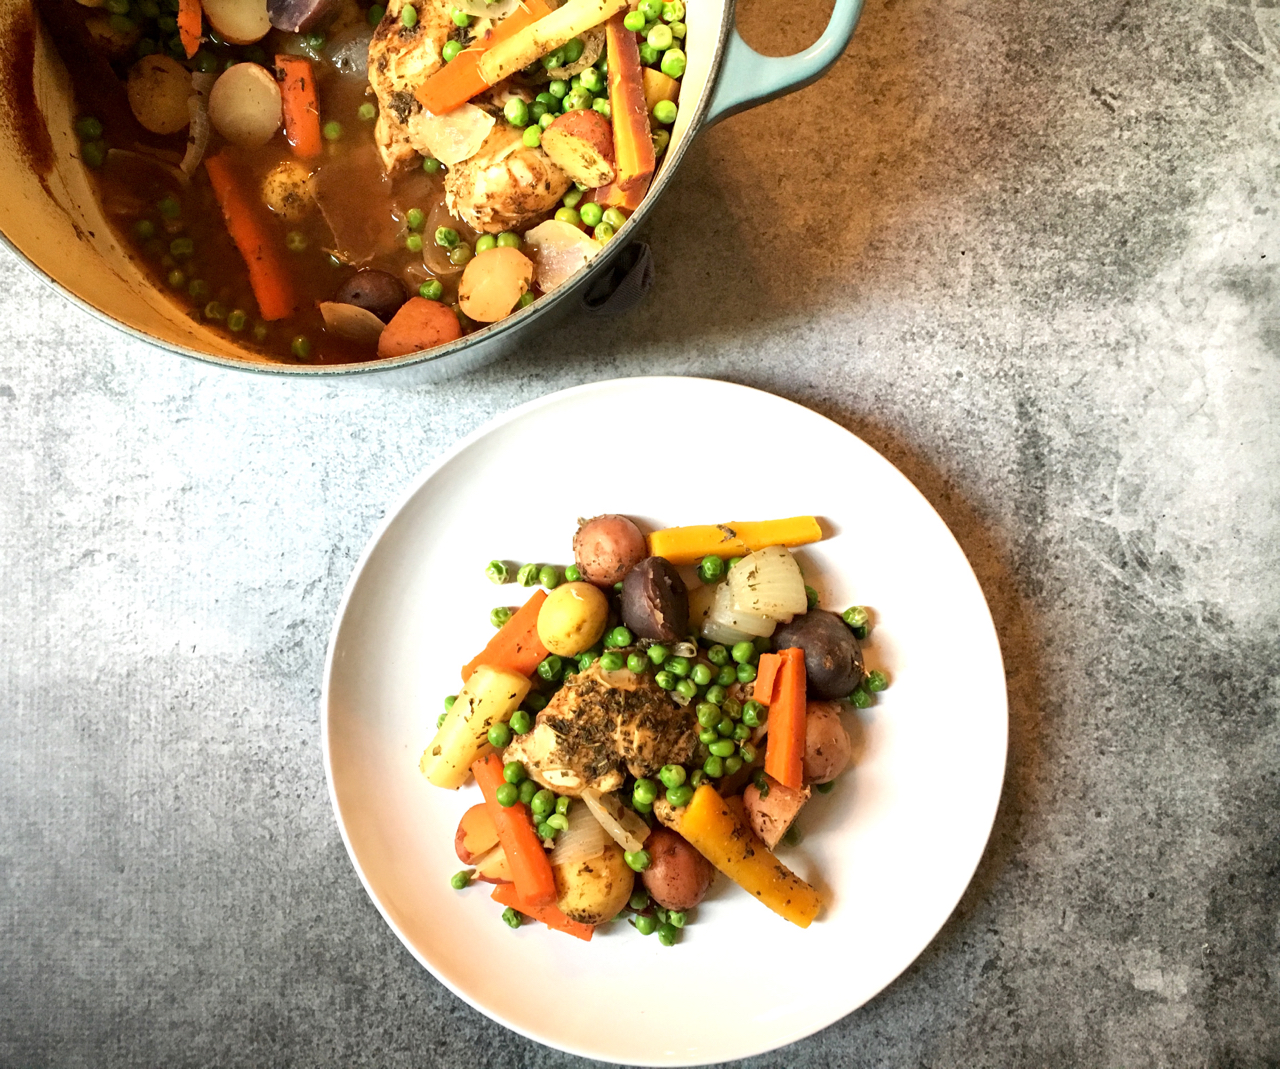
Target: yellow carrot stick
{"x": 688, "y": 545}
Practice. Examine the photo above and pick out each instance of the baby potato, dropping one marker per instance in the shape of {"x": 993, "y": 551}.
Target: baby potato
{"x": 595, "y": 890}
{"x": 678, "y": 876}
{"x": 572, "y": 619}
{"x": 158, "y": 87}
{"x": 607, "y": 547}
{"x": 289, "y": 190}
{"x": 827, "y": 747}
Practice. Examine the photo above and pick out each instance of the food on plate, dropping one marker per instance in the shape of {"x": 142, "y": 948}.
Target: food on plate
{"x": 274, "y": 164}
{"x": 629, "y": 742}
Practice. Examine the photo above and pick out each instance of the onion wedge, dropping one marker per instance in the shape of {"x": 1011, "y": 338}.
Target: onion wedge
{"x": 624, "y": 827}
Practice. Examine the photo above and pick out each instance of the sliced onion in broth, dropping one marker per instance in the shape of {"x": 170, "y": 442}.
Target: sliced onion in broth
{"x": 623, "y": 826}
{"x": 582, "y": 840}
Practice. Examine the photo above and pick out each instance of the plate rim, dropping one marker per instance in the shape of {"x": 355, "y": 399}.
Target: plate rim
{"x": 375, "y": 539}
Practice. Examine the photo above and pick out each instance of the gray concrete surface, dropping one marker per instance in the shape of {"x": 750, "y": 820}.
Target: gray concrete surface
{"x": 1029, "y": 251}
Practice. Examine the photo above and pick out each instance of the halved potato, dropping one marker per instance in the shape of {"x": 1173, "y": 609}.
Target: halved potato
{"x": 241, "y": 22}
{"x": 493, "y": 282}
{"x": 158, "y": 88}
{"x": 580, "y": 143}
{"x": 658, "y": 86}
{"x": 595, "y": 890}
{"x": 244, "y": 105}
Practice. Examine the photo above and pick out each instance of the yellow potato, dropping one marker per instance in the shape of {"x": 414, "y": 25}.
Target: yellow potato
{"x": 572, "y": 619}
{"x": 289, "y": 190}
{"x": 158, "y": 88}
{"x": 594, "y": 891}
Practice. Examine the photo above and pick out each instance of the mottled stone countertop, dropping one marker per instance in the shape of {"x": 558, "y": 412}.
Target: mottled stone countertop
{"x": 1028, "y": 251}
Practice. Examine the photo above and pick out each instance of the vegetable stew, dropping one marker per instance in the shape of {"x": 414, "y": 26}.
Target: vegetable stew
{"x": 331, "y": 183}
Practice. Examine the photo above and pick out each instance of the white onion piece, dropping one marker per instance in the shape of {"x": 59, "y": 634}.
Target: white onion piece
{"x": 558, "y": 250}
{"x": 198, "y": 110}
{"x": 452, "y": 137}
{"x": 627, "y": 833}
{"x": 724, "y": 621}
{"x": 352, "y": 322}
{"x": 768, "y": 583}
{"x": 582, "y": 840}
{"x": 482, "y": 9}
{"x": 684, "y": 649}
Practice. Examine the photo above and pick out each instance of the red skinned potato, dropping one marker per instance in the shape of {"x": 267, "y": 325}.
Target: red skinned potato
{"x": 772, "y": 813}
{"x": 420, "y": 324}
{"x": 476, "y": 835}
{"x": 607, "y": 547}
{"x": 678, "y": 876}
{"x": 580, "y": 143}
{"x": 827, "y": 747}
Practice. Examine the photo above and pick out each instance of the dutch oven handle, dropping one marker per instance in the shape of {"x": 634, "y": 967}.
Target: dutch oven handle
{"x": 748, "y": 78}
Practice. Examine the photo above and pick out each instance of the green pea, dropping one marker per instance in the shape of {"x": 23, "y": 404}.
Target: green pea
{"x": 707, "y": 736}
{"x": 592, "y": 80}
{"x": 603, "y": 232}
{"x": 573, "y": 198}
{"x": 511, "y": 918}
{"x": 614, "y": 217}
{"x": 414, "y": 218}
{"x": 645, "y": 792}
{"x": 447, "y": 237}
{"x": 602, "y": 105}
{"x": 732, "y": 561}
{"x": 532, "y": 136}
{"x": 513, "y": 772}
{"x": 687, "y": 688}
{"x": 413, "y": 243}
{"x": 521, "y": 722}
{"x": 485, "y": 242}
{"x": 300, "y": 346}
{"x": 440, "y": 720}
{"x": 460, "y": 18}
{"x": 876, "y": 681}
{"x": 448, "y": 702}
{"x": 460, "y": 255}
{"x": 367, "y": 112}
{"x": 496, "y": 571}
{"x": 528, "y": 788}
{"x": 726, "y": 675}
{"x": 677, "y": 918}
{"x": 761, "y": 781}
{"x": 88, "y": 128}
{"x": 549, "y": 576}
{"x": 618, "y": 637}
{"x": 743, "y": 652}
{"x": 708, "y": 714}
{"x": 717, "y": 654}
{"x": 573, "y": 50}
{"x": 696, "y": 777}
{"x": 794, "y": 836}
{"x": 732, "y": 764}
{"x": 459, "y": 880}
{"x": 672, "y": 775}
{"x": 725, "y": 728}
{"x": 716, "y": 694}
{"x": 144, "y": 229}
{"x": 668, "y": 935}
{"x": 553, "y": 60}
{"x": 568, "y": 215}
{"x": 450, "y": 51}
{"x": 409, "y": 16}
{"x": 332, "y": 130}
{"x": 658, "y": 653}
{"x": 559, "y": 89}
{"x": 748, "y": 753}
{"x": 536, "y": 702}
{"x": 176, "y": 278}
{"x": 811, "y": 597}
{"x": 732, "y": 708}
{"x": 642, "y": 807}
{"x": 637, "y": 859}
{"x": 577, "y": 100}
{"x": 499, "y": 735}
{"x": 634, "y": 21}
{"x": 215, "y": 310}
{"x": 746, "y": 673}
{"x": 558, "y": 821}
{"x": 678, "y": 30}
{"x": 260, "y": 331}
{"x": 650, "y": 9}
{"x": 680, "y": 796}
{"x": 673, "y": 11}
{"x": 825, "y": 788}
{"x": 122, "y": 24}
{"x": 660, "y": 38}
{"x": 499, "y": 616}
{"x": 375, "y": 14}
{"x": 430, "y": 164}
{"x": 611, "y": 661}
{"x": 295, "y": 241}
{"x": 861, "y": 699}
{"x": 678, "y": 666}
{"x": 753, "y": 714}
{"x": 673, "y": 60}
{"x": 571, "y": 573}
{"x": 544, "y": 802}
{"x": 637, "y": 662}
{"x": 639, "y": 900}
{"x": 562, "y": 805}
{"x": 547, "y": 120}
{"x": 591, "y": 213}
{"x": 713, "y": 766}
{"x": 661, "y": 138}
{"x": 551, "y": 668}
{"x": 722, "y": 747}
{"x": 645, "y": 924}
{"x": 527, "y": 575}
{"x": 507, "y": 795}
{"x": 236, "y": 320}
{"x": 741, "y": 732}
{"x": 587, "y": 659}
{"x": 433, "y": 290}
{"x": 517, "y": 112}
{"x": 700, "y": 674}
{"x": 666, "y": 680}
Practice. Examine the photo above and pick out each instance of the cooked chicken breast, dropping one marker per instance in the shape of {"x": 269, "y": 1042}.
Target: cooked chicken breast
{"x": 600, "y": 725}
{"x": 401, "y": 58}
{"x": 505, "y": 184}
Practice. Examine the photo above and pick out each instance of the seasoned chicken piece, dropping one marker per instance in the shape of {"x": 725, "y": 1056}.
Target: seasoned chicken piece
{"x": 401, "y": 58}
{"x": 600, "y": 723}
{"x": 505, "y": 185}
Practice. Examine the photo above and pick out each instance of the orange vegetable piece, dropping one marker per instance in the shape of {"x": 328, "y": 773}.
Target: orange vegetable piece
{"x": 632, "y": 140}
{"x": 506, "y": 894}
{"x": 516, "y": 647}
{"x": 268, "y": 275}
{"x": 189, "y": 24}
{"x": 767, "y": 678}
{"x": 784, "y": 753}
{"x": 301, "y": 106}
{"x": 420, "y": 324}
{"x": 458, "y": 81}
{"x": 530, "y": 869}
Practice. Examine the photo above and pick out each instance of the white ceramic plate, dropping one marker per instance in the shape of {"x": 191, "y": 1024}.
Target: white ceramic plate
{"x": 892, "y": 847}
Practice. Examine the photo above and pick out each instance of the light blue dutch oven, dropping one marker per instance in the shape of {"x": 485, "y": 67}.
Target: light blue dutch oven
{"x": 50, "y": 218}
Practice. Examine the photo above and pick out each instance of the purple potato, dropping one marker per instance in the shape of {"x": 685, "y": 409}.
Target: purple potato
{"x": 832, "y": 656}
{"x": 376, "y": 291}
{"x": 655, "y": 602}
{"x": 301, "y": 16}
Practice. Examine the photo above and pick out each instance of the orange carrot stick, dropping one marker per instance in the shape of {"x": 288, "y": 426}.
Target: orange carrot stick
{"x": 632, "y": 140}
{"x": 505, "y": 894}
{"x": 767, "y": 678}
{"x": 530, "y": 868}
{"x": 784, "y": 754}
{"x": 301, "y": 106}
{"x": 268, "y": 275}
{"x": 458, "y": 81}
{"x": 189, "y": 24}
{"x": 516, "y": 646}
